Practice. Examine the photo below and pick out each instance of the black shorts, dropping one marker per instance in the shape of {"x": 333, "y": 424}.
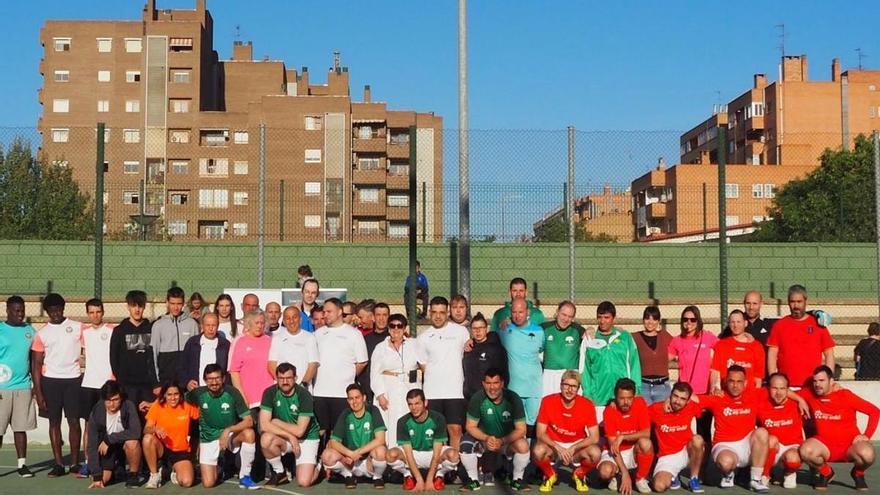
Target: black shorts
{"x": 115, "y": 457}
{"x": 454, "y": 410}
{"x": 88, "y": 397}
{"x": 172, "y": 457}
{"x": 61, "y": 395}
{"x": 328, "y": 410}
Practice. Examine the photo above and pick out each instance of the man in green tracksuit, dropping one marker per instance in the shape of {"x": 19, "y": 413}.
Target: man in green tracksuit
{"x": 606, "y": 357}
{"x": 518, "y": 287}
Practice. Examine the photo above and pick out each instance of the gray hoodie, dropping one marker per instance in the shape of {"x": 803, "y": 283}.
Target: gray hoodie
{"x": 168, "y": 338}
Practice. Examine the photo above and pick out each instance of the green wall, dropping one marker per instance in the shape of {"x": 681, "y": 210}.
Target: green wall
{"x": 620, "y": 272}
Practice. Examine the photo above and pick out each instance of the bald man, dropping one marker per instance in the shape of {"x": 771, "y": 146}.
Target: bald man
{"x": 524, "y": 342}
{"x": 273, "y": 317}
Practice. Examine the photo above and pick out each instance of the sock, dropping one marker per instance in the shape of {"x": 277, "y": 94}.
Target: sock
{"x": 643, "y": 465}
{"x": 446, "y": 467}
{"x": 825, "y": 469}
{"x": 768, "y": 464}
{"x": 21, "y": 461}
{"x": 247, "y": 453}
{"x": 791, "y": 466}
{"x": 858, "y": 472}
{"x": 757, "y": 471}
{"x": 546, "y": 467}
{"x": 276, "y": 464}
{"x": 584, "y": 469}
{"x": 378, "y": 469}
{"x": 470, "y": 463}
{"x": 520, "y": 461}
{"x": 400, "y": 467}
{"x": 341, "y": 469}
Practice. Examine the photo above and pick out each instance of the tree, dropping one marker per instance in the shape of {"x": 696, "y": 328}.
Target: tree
{"x": 833, "y": 203}
{"x": 556, "y": 230}
{"x": 40, "y": 200}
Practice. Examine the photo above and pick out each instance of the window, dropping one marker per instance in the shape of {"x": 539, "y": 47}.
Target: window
{"x": 239, "y": 229}
{"x": 106, "y": 198}
{"x": 132, "y": 106}
{"x": 368, "y": 164}
{"x": 62, "y": 76}
{"x": 758, "y": 191}
{"x": 103, "y": 106}
{"x": 214, "y": 137}
{"x": 368, "y": 227}
{"x": 180, "y": 75}
{"x": 398, "y": 169}
{"x": 181, "y": 44}
{"x": 240, "y": 137}
{"x": 400, "y": 138}
{"x": 105, "y": 45}
{"x": 314, "y": 122}
{"x": 178, "y": 135}
{"x": 240, "y": 198}
{"x": 60, "y": 105}
{"x": 368, "y": 195}
{"x": 61, "y": 44}
{"x": 178, "y": 197}
{"x": 103, "y": 76}
{"x": 106, "y": 134}
{"x": 313, "y": 156}
{"x": 60, "y": 135}
{"x": 131, "y": 197}
{"x": 872, "y": 112}
{"x": 177, "y": 227}
{"x": 132, "y": 76}
{"x": 365, "y": 132}
{"x": 214, "y": 231}
{"x": 731, "y": 191}
{"x": 312, "y": 221}
{"x": 213, "y": 167}
{"x": 134, "y": 45}
{"x": 770, "y": 191}
{"x": 179, "y": 167}
{"x": 131, "y": 136}
{"x": 213, "y": 198}
{"x": 313, "y": 189}
{"x": 398, "y": 200}
{"x": 178, "y": 105}
{"x": 731, "y": 220}
{"x": 397, "y": 229}
{"x": 240, "y": 167}
{"x": 130, "y": 167}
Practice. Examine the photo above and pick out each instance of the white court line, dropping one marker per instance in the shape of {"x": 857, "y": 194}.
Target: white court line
{"x": 265, "y": 487}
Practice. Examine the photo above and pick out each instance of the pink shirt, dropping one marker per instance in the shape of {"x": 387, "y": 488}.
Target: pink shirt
{"x": 694, "y": 359}
{"x": 249, "y": 359}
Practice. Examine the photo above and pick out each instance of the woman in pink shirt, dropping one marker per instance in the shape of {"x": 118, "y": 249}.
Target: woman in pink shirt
{"x": 692, "y": 348}
{"x": 247, "y": 365}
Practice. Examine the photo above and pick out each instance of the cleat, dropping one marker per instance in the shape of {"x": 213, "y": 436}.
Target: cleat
{"x": 409, "y": 483}
{"x": 728, "y": 481}
{"x": 547, "y": 485}
{"x": 861, "y": 484}
{"x": 695, "y": 486}
{"x": 642, "y": 486}
{"x": 580, "y": 484}
{"x": 25, "y": 472}
{"x": 518, "y": 486}
{"x": 57, "y": 470}
{"x": 822, "y": 482}
{"x": 154, "y": 482}
{"x": 378, "y": 483}
{"x": 470, "y": 486}
{"x": 350, "y": 483}
{"x": 439, "y": 484}
{"x": 758, "y": 486}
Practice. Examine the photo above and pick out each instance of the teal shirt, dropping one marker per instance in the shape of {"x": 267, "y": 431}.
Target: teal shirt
{"x": 503, "y": 313}
{"x": 608, "y": 358}
{"x": 15, "y": 364}
{"x": 524, "y": 346}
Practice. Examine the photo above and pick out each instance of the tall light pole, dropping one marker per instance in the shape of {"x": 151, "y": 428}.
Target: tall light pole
{"x": 464, "y": 208}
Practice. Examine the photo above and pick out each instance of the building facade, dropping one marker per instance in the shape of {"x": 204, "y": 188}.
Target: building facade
{"x": 189, "y": 136}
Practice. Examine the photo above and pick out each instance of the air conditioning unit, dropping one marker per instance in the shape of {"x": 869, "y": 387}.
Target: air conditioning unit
{"x": 175, "y": 139}
{"x": 653, "y": 230}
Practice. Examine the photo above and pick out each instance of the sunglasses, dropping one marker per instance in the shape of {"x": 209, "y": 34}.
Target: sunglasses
{"x": 690, "y": 320}
{"x": 396, "y": 325}
{"x": 347, "y": 314}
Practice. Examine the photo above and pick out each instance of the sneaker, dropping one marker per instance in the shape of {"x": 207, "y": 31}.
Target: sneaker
{"x": 694, "y": 485}
{"x": 155, "y": 481}
{"x": 823, "y": 481}
{"x": 861, "y": 484}
{"x": 439, "y": 484}
{"x": 675, "y": 484}
{"x": 57, "y": 470}
{"x": 247, "y": 483}
{"x": 518, "y": 486}
{"x": 789, "y": 480}
{"x": 547, "y": 485}
{"x": 612, "y": 485}
{"x": 174, "y": 478}
{"x": 728, "y": 481}
{"x": 642, "y": 486}
{"x": 350, "y": 483}
{"x": 378, "y": 483}
{"x": 758, "y": 486}
{"x": 580, "y": 484}
{"x": 131, "y": 480}
{"x": 81, "y": 471}
{"x": 278, "y": 479}
{"x": 25, "y": 472}
{"x": 470, "y": 486}
{"x": 488, "y": 479}
{"x": 409, "y": 483}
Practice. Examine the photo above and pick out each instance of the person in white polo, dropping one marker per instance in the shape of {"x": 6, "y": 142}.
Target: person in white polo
{"x": 291, "y": 344}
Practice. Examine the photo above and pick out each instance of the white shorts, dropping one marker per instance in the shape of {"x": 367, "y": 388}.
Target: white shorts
{"x": 672, "y": 463}
{"x": 308, "y": 451}
{"x": 782, "y": 449}
{"x": 741, "y": 448}
{"x": 423, "y": 457}
{"x": 629, "y": 458}
{"x": 360, "y": 469}
{"x": 550, "y": 381}
{"x": 209, "y": 452}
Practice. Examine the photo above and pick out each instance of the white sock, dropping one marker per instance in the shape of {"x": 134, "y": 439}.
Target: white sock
{"x": 378, "y": 468}
{"x": 276, "y": 464}
{"x": 21, "y": 461}
{"x": 520, "y": 461}
{"x": 400, "y": 467}
{"x": 341, "y": 469}
{"x": 757, "y": 472}
{"x": 247, "y": 453}
{"x": 446, "y": 467}
{"x": 471, "y": 465}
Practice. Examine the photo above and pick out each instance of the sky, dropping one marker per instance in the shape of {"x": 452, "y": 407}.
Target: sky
{"x": 652, "y": 69}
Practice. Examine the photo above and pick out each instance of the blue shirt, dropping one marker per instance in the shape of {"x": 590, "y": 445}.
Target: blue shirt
{"x": 421, "y": 282}
{"x": 524, "y": 346}
{"x": 305, "y": 323}
{"x": 15, "y": 365}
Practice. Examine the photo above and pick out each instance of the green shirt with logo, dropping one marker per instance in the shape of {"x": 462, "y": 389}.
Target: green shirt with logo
{"x": 562, "y": 347}
{"x": 497, "y": 420}
{"x": 422, "y": 436}
{"x": 354, "y": 432}
{"x": 289, "y": 408}
{"x": 217, "y": 412}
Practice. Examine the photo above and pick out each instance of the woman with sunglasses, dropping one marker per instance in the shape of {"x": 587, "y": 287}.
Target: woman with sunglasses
{"x": 166, "y": 436}
{"x": 692, "y": 348}
{"x": 653, "y": 345}
{"x": 394, "y": 372}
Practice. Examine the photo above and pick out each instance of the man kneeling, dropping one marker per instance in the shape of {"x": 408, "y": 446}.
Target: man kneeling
{"x": 115, "y": 433}
{"x": 628, "y": 432}
{"x": 357, "y": 443}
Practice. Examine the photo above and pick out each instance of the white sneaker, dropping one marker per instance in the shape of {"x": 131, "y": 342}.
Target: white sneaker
{"x": 612, "y": 485}
{"x": 642, "y": 486}
{"x": 789, "y": 481}
{"x": 727, "y": 481}
{"x": 155, "y": 481}
{"x": 758, "y": 486}
{"x": 174, "y": 478}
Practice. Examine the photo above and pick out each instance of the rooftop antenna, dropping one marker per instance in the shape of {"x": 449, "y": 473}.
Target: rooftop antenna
{"x": 336, "y": 60}
{"x": 781, "y": 28}
{"x": 861, "y": 55}
{"x": 237, "y": 32}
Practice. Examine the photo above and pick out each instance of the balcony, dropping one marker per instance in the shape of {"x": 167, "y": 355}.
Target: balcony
{"x": 398, "y": 150}
{"x": 400, "y": 213}
{"x": 399, "y": 182}
{"x": 371, "y": 145}
{"x": 656, "y": 210}
{"x": 755, "y": 123}
{"x": 376, "y": 176}
{"x": 362, "y": 209}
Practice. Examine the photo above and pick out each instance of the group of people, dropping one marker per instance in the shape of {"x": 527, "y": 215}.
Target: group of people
{"x": 354, "y": 390}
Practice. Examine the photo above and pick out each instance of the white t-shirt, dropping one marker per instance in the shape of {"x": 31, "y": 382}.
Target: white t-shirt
{"x": 298, "y": 350}
{"x": 62, "y": 345}
{"x": 114, "y": 422}
{"x": 97, "y": 349}
{"x": 442, "y": 350}
{"x": 339, "y": 349}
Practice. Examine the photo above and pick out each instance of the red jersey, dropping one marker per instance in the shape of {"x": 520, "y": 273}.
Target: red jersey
{"x": 567, "y": 424}
{"x": 749, "y": 355}
{"x": 617, "y": 423}
{"x": 800, "y": 345}
{"x": 734, "y": 417}
{"x": 782, "y": 421}
{"x": 673, "y": 429}
{"x": 835, "y": 415}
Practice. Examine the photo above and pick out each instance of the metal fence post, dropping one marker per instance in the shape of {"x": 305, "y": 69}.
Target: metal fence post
{"x": 722, "y": 221}
{"x": 261, "y": 222}
{"x": 569, "y": 210}
{"x": 424, "y": 211}
{"x": 877, "y": 205}
{"x": 281, "y": 210}
{"x": 412, "y": 313}
{"x": 464, "y": 201}
{"x": 99, "y": 212}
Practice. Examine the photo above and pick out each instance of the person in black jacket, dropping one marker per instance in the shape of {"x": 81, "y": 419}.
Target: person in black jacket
{"x": 192, "y": 364}
{"x": 115, "y": 433}
{"x": 487, "y": 353}
{"x": 131, "y": 354}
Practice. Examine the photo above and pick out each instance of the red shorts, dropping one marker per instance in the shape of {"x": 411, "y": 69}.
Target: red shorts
{"x": 837, "y": 448}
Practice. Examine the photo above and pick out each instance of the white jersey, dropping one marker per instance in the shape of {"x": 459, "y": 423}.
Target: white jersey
{"x": 339, "y": 349}
{"x": 298, "y": 350}
{"x": 97, "y": 351}
{"x": 61, "y": 345}
{"x": 442, "y": 350}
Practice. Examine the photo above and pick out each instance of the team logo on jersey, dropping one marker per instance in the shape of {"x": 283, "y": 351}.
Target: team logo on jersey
{"x": 224, "y": 406}
{"x": 505, "y": 416}
{"x": 5, "y": 373}
{"x": 429, "y": 433}
{"x": 823, "y": 416}
{"x": 730, "y": 411}
{"x": 367, "y": 425}
{"x": 769, "y": 423}
{"x": 351, "y": 426}
{"x": 482, "y": 356}
{"x": 569, "y": 340}
{"x": 204, "y": 405}
{"x": 412, "y": 432}
{"x": 28, "y": 336}
{"x": 489, "y": 412}
{"x": 105, "y": 336}
{"x": 293, "y": 408}
{"x": 277, "y": 403}
{"x": 68, "y": 329}
{"x": 248, "y": 349}
{"x": 673, "y": 428}
{"x": 550, "y": 338}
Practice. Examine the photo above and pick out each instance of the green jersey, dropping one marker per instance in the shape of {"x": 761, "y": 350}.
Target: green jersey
{"x": 562, "y": 348}
{"x": 289, "y": 408}
{"x": 422, "y": 436}
{"x": 217, "y": 412}
{"x": 494, "y": 419}
{"x": 355, "y": 432}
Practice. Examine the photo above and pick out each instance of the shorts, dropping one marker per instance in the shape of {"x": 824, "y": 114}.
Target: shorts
{"x": 550, "y": 382}
{"x": 138, "y": 393}
{"x": 837, "y": 449}
{"x": 423, "y": 457}
{"x": 88, "y": 397}
{"x": 629, "y": 458}
{"x": 172, "y": 457}
{"x": 61, "y": 395}
{"x": 308, "y": 451}
{"x": 531, "y": 406}
{"x": 782, "y": 449}
{"x": 470, "y": 445}
{"x": 209, "y": 452}
{"x": 673, "y": 463}
{"x": 741, "y": 448}
{"x": 453, "y": 410}
{"x": 115, "y": 457}
{"x": 17, "y": 410}
{"x": 328, "y": 410}
{"x": 361, "y": 469}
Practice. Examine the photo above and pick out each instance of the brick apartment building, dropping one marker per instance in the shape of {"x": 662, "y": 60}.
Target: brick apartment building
{"x": 184, "y": 133}
{"x": 608, "y": 212}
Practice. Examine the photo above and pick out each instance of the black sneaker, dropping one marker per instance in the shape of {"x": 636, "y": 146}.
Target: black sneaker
{"x": 25, "y": 472}
{"x": 518, "y": 486}
{"x": 823, "y": 481}
{"x": 77, "y": 470}
{"x": 131, "y": 480}
{"x": 57, "y": 470}
{"x": 278, "y": 479}
{"x": 470, "y": 486}
{"x": 861, "y": 484}
{"x": 379, "y": 484}
{"x": 350, "y": 483}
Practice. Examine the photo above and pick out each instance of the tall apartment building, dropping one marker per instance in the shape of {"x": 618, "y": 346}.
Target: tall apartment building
{"x": 608, "y": 212}
{"x": 186, "y": 132}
